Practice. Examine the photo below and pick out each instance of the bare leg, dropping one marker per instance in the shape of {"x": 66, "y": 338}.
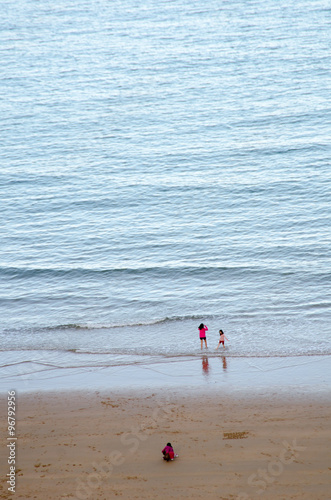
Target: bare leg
{"x": 201, "y": 343}
{"x": 206, "y": 343}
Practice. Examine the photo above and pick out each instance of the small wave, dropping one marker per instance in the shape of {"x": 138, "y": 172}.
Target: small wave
{"x": 72, "y": 326}
{"x": 158, "y": 271}
{"x": 110, "y": 326}
{"x": 127, "y": 356}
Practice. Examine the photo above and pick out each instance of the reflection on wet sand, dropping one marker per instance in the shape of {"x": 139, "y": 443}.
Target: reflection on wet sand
{"x": 205, "y": 365}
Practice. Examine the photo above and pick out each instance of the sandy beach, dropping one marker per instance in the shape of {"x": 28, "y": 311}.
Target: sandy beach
{"x": 103, "y": 445}
{"x": 165, "y": 164}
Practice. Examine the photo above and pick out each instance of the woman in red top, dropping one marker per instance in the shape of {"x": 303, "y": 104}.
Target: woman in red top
{"x": 203, "y": 330}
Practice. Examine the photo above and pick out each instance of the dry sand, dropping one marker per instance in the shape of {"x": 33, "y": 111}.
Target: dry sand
{"x": 103, "y": 446}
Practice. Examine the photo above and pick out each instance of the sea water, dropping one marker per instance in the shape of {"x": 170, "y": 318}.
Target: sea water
{"x": 163, "y": 164}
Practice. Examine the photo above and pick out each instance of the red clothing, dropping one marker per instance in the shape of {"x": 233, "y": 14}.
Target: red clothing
{"x": 203, "y": 332}
{"x": 167, "y": 449}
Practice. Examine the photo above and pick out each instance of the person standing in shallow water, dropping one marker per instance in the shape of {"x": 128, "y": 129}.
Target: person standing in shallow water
{"x": 222, "y": 338}
{"x": 203, "y": 328}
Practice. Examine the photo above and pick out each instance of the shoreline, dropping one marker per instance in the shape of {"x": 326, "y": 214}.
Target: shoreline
{"x": 306, "y": 374}
{"x": 103, "y": 444}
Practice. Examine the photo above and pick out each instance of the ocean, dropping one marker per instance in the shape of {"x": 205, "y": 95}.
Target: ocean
{"x": 163, "y": 164}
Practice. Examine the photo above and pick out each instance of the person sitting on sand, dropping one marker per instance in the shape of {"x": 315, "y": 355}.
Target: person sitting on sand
{"x": 168, "y": 452}
{"x": 221, "y": 340}
{"x": 203, "y": 329}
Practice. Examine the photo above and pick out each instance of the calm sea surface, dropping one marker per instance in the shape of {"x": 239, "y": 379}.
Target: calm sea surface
{"x": 163, "y": 164}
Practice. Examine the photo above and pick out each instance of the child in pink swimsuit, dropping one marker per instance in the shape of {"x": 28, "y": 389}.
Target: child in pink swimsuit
{"x": 203, "y": 329}
{"x": 221, "y": 340}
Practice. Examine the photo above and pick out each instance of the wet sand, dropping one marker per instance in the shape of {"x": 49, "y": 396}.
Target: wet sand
{"x": 206, "y": 370}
